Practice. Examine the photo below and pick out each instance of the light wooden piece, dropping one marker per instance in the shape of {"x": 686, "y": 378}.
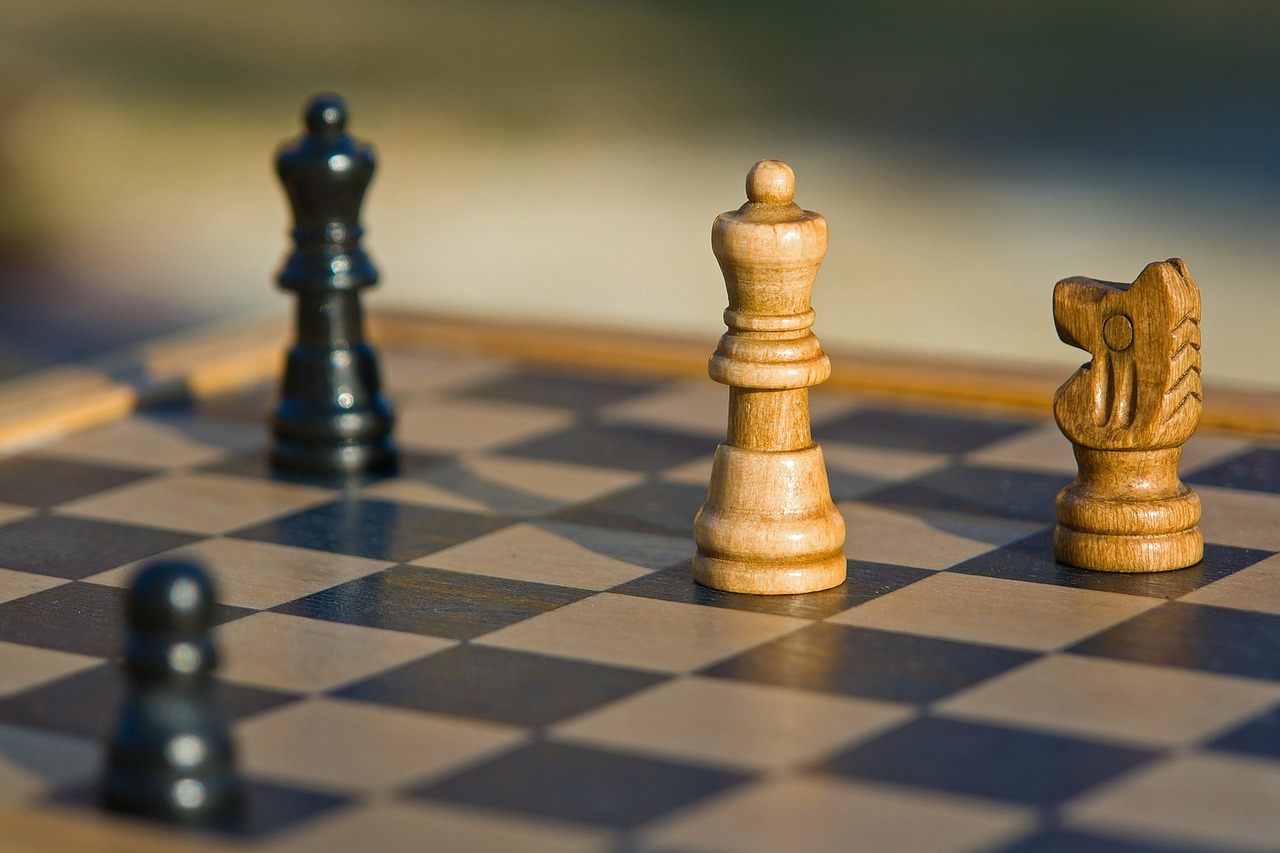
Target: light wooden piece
{"x": 1128, "y": 413}
{"x": 769, "y": 526}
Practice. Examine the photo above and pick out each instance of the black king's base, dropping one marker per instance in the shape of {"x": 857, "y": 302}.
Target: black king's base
{"x": 332, "y": 416}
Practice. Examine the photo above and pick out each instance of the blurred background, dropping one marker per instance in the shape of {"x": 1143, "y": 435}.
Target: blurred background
{"x": 562, "y": 161}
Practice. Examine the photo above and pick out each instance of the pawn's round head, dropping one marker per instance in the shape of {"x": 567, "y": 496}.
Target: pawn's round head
{"x": 771, "y": 182}
{"x": 171, "y": 597}
{"x": 326, "y": 115}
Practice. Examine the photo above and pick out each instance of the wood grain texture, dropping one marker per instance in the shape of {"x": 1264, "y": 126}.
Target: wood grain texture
{"x": 769, "y": 526}
{"x": 1128, "y": 412}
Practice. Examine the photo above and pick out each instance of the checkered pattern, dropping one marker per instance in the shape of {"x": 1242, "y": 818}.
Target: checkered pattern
{"x": 500, "y": 648}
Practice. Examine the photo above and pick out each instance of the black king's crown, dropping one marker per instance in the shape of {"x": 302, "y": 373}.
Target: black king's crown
{"x": 332, "y": 416}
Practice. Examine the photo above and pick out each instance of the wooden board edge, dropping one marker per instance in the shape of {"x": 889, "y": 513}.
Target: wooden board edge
{"x": 61, "y": 830}
{"x": 952, "y": 383}
{"x": 47, "y": 404}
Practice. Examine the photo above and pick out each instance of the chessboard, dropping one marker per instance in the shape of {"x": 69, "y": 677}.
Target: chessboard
{"x": 498, "y": 647}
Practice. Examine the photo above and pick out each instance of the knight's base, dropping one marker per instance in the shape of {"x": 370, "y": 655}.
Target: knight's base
{"x": 769, "y": 578}
{"x": 1149, "y": 552}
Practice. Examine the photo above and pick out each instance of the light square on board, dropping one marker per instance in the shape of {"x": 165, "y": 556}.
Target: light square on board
{"x": 1240, "y": 518}
{"x": 260, "y": 574}
{"x": 701, "y": 406}
{"x": 155, "y": 443}
{"x": 883, "y": 464}
{"x": 1042, "y": 448}
{"x": 923, "y": 538}
{"x": 563, "y": 554}
{"x": 17, "y": 584}
{"x": 826, "y": 815}
{"x": 361, "y": 748}
{"x": 402, "y": 827}
{"x": 197, "y": 502}
{"x": 413, "y": 371}
{"x": 1215, "y": 800}
{"x": 451, "y": 425}
{"x": 503, "y": 484}
{"x": 23, "y": 667}
{"x": 975, "y": 609}
{"x": 10, "y": 512}
{"x": 1114, "y": 700}
{"x": 735, "y": 725}
{"x": 661, "y": 636}
{"x": 697, "y": 406}
{"x": 1255, "y": 587}
{"x": 275, "y": 650}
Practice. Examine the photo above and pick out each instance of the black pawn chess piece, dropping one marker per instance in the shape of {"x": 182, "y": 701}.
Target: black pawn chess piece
{"x": 170, "y": 757}
{"x": 332, "y": 417}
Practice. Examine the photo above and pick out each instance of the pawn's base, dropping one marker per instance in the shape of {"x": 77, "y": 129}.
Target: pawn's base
{"x": 342, "y": 460}
{"x": 1149, "y": 552}
{"x": 212, "y": 800}
{"x": 769, "y": 578}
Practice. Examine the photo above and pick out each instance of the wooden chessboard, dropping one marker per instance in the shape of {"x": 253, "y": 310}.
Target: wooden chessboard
{"x": 500, "y": 648}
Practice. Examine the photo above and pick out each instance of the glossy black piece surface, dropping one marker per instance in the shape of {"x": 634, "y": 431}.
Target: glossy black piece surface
{"x": 332, "y": 415}
{"x": 170, "y": 756}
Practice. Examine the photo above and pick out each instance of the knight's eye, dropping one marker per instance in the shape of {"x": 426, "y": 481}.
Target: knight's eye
{"x": 1118, "y": 332}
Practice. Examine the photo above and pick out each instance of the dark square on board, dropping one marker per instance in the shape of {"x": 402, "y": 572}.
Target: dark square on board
{"x": 81, "y": 618}
{"x": 865, "y": 581}
{"x": 581, "y": 785}
{"x": 40, "y": 482}
{"x": 986, "y": 761}
{"x": 866, "y": 662}
{"x": 380, "y": 530}
{"x": 1058, "y": 840}
{"x": 1195, "y": 636}
{"x": 1259, "y": 736}
{"x": 1031, "y": 559}
{"x": 257, "y": 464}
{"x": 561, "y": 390}
{"x": 930, "y": 432}
{"x": 504, "y": 686}
{"x": 1257, "y": 470}
{"x": 430, "y": 601}
{"x": 86, "y": 703}
{"x": 624, "y": 447}
{"x": 269, "y": 807}
{"x": 977, "y": 490}
{"x": 67, "y": 547}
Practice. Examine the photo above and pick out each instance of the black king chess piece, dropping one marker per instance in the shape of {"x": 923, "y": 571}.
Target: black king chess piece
{"x": 332, "y": 416}
{"x": 170, "y": 757}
